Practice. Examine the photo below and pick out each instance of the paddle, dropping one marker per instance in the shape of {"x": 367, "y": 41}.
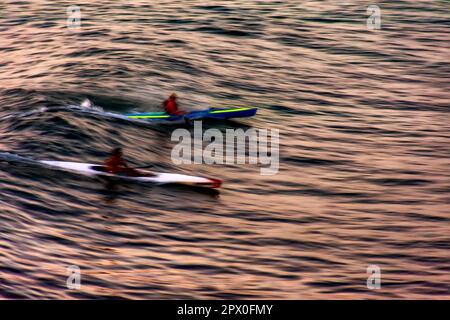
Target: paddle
{"x": 144, "y": 167}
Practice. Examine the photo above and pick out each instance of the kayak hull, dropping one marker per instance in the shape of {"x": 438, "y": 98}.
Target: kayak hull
{"x": 213, "y": 113}
{"x": 94, "y": 170}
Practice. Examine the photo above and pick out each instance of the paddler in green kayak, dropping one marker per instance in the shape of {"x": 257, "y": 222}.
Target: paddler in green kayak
{"x": 171, "y": 106}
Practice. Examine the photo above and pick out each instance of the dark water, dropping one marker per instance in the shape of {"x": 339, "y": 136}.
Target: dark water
{"x": 364, "y": 150}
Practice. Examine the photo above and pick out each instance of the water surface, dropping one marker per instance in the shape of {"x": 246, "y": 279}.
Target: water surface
{"x": 364, "y": 150}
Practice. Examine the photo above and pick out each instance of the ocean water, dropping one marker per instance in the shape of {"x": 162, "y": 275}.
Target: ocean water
{"x": 364, "y": 126}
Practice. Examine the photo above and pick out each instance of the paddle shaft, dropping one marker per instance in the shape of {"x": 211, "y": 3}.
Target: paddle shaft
{"x": 144, "y": 167}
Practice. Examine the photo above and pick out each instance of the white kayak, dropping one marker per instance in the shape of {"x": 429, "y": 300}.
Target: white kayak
{"x": 94, "y": 170}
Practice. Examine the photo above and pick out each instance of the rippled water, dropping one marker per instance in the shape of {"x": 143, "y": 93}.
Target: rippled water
{"x": 364, "y": 149}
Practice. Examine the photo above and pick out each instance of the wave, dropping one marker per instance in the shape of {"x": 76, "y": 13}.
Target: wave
{"x": 14, "y": 158}
{"x": 85, "y": 107}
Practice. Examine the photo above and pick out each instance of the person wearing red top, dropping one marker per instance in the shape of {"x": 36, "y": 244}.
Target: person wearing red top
{"x": 115, "y": 164}
{"x": 171, "y": 106}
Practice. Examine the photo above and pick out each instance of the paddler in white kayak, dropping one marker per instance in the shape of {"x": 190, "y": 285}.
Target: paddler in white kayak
{"x": 115, "y": 164}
